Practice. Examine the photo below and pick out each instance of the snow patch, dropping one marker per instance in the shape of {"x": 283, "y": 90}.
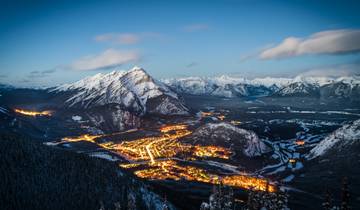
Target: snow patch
{"x": 103, "y": 155}
{"x": 76, "y": 118}
{"x": 344, "y": 136}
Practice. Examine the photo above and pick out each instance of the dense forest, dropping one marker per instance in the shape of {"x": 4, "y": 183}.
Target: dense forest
{"x": 35, "y": 176}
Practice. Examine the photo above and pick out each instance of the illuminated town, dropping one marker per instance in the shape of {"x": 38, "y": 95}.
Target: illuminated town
{"x": 163, "y": 157}
{"x": 161, "y": 154}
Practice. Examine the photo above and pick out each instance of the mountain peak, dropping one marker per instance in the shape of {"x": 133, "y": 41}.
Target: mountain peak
{"x": 136, "y": 68}
{"x": 134, "y": 89}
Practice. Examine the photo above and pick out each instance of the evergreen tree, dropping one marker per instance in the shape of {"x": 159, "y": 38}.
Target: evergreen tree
{"x": 131, "y": 202}
{"x": 117, "y": 206}
{"x": 222, "y": 198}
{"x": 102, "y": 207}
{"x": 327, "y": 202}
{"x": 268, "y": 200}
{"x": 229, "y": 199}
{"x": 204, "y": 206}
{"x": 165, "y": 205}
{"x": 345, "y": 195}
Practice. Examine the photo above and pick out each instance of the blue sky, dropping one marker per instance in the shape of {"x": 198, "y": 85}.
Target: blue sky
{"x": 51, "y": 42}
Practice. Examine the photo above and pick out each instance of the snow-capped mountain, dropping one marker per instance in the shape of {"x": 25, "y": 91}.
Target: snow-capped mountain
{"x": 223, "y": 86}
{"x": 299, "y": 89}
{"x": 343, "y": 87}
{"x": 341, "y": 90}
{"x": 134, "y": 90}
{"x": 226, "y": 86}
{"x": 224, "y": 134}
{"x": 341, "y": 139}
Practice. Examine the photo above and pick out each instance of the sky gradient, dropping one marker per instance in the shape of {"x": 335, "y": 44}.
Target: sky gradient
{"x": 52, "y": 42}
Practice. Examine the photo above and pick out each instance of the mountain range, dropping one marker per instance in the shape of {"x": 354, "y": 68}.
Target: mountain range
{"x": 226, "y": 86}
{"x": 137, "y": 91}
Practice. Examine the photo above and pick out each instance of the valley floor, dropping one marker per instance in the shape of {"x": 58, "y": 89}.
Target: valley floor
{"x": 164, "y": 153}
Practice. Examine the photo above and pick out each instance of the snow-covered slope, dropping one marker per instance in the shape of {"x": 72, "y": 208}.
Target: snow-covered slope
{"x": 299, "y": 89}
{"x": 223, "y": 86}
{"x": 227, "y": 135}
{"x": 324, "y": 87}
{"x": 226, "y": 86}
{"x": 344, "y": 137}
{"x": 134, "y": 90}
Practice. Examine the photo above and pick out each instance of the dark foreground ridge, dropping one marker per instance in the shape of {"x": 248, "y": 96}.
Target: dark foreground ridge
{"x": 34, "y": 176}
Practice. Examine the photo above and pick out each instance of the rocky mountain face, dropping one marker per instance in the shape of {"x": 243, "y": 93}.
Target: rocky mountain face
{"x": 111, "y": 118}
{"x": 134, "y": 90}
{"x": 342, "y": 140}
{"x": 117, "y": 100}
{"x": 299, "y": 89}
{"x": 239, "y": 140}
{"x": 225, "y": 86}
{"x": 341, "y": 90}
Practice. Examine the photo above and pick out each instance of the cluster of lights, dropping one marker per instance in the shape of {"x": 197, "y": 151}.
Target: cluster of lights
{"x": 235, "y": 122}
{"x": 129, "y": 165}
{"x": 163, "y": 170}
{"x": 292, "y": 161}
{"x": 85, "y": 137}
{"x": 248, "y": 182}
{"x": 212, "y": 151}
{"x": 167, "y": 146}
{"x": 166, "y": 129}
{"x": 300, "y": 142}
{"x": 206, "y": 114}
{"x": 169, "y": 169}
{"x": 157, "y": 153}
{"x": 209, "y": 114}
{"x": 33, "y": 113}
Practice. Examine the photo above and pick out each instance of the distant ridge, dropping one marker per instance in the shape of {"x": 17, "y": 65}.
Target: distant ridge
{"x": 226, "y": 86}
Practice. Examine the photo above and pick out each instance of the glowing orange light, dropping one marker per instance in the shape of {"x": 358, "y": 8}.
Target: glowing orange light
{"x": 206, "y": 114}
{"x": 235, "y": 122}
{"x": 171, "y": 170}
{"x": 129, "y": 165}
{"x": 169, "y": 128}
{"x": 212, "y": 151}
{"x": 33, "y": 113}
{"x": 221, "y": 117}
{"x": 85, "y": 137}
{"x": 300, "y": 142}
{"x": 292, "y": 161}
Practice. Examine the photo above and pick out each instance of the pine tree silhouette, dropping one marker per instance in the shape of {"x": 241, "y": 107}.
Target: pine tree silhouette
{"x": 327, "y": 202}
{"x": 345, "y": 194}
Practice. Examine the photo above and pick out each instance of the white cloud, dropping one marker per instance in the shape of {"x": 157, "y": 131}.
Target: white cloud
{"x": 325, "y": 42}
{"x": 339, "y": 70}
{"x": 108, "y": 58}
{"x": 195, "y": 27}
{"x": 127, "y": 38}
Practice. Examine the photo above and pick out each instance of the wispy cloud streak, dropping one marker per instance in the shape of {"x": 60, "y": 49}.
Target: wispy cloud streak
{"x": 326, "y": 42}
{"x": 107, "y": 59}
